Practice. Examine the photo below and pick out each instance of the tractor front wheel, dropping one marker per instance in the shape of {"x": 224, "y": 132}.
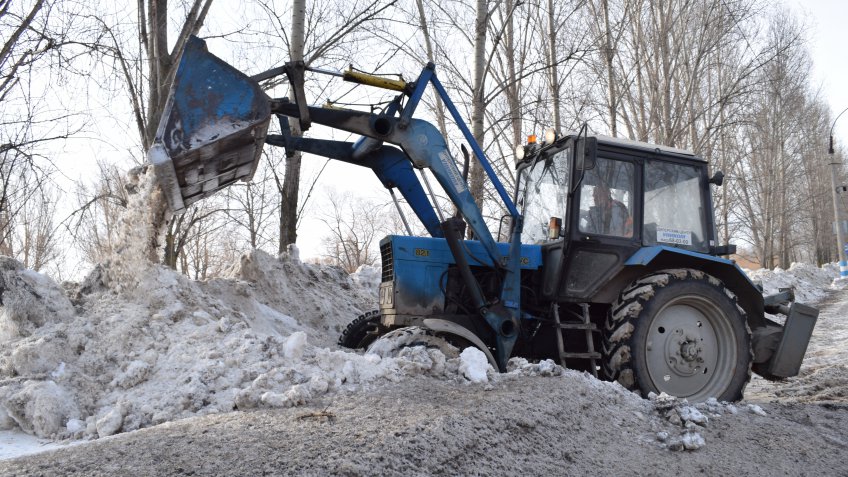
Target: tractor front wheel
{"x": 362, "y": 331}
{"x": 680, "y": 332}
{"x": 390, "y": 344}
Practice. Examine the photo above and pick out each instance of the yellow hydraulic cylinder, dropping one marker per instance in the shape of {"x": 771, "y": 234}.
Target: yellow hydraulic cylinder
{"x": 372, "y": 80}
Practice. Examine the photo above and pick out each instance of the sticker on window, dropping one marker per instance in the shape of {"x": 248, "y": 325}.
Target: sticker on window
{"x": 677, "y": 237}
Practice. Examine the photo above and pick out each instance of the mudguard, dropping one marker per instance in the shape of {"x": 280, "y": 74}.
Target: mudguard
{"x": 451, "y": 328}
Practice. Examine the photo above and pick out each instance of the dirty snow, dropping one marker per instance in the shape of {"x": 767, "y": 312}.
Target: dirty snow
{"x": 142, "y": 345}
{"x": 137, "y": 344}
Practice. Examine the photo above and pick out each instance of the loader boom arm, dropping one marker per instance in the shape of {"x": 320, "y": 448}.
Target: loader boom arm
{"x": 216, "y": 121}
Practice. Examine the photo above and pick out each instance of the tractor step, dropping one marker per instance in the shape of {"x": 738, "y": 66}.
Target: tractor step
{"x": 578, "y": 326}
{"x": 588, "y": 327}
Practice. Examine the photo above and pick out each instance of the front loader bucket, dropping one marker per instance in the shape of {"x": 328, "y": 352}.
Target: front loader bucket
{"x": 212, "y": 130}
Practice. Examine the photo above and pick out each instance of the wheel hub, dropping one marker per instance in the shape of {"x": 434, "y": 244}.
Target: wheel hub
{"x": 684, "y": 350}
{"x": 689, "y": 351}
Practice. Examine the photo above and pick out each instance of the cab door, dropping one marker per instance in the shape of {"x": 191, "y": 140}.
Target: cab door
{"x": 604, "y": 224}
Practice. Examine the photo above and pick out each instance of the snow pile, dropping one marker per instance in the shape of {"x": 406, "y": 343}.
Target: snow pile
{"x": 810, "y": 283}
{"x": 679, "y": 414}
{"x": 318, "y": 299}
{"x": 368, "y": 277}
{"x": 171, "y": 348}
{"x": 521, "y": 366}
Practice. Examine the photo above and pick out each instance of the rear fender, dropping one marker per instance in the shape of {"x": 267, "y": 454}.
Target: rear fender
{"x": 651, "y": 259}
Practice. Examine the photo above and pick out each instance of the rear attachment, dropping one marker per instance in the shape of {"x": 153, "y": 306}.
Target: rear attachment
{"x": 779, "y": 350}
{"x": 212, "y": 130}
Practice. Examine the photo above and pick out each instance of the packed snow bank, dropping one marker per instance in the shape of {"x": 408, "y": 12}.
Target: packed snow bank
{"x": 169, "y": 347}
{"x": 810, "y": 283}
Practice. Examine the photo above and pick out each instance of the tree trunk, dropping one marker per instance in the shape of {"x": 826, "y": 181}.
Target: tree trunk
{"x": 553, "y": 68}
{"x": 609, "y": 54}
{"x": 291, "y": 181}
{"x": 513, "y": 90}
{"x": 478, "y": 104}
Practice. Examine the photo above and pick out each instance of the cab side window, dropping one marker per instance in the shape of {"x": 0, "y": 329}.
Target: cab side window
{"x": 606, "y": 199}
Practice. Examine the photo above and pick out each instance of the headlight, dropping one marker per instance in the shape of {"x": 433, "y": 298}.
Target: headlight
{"x": 550, "y": 136}
{"x": 519, "y": 152}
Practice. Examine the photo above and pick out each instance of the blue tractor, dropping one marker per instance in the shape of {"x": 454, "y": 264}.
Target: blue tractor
{"x": 611, "y": 264}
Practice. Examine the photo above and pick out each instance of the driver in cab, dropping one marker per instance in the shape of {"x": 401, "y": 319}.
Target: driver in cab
{"x": 608, "y": 216}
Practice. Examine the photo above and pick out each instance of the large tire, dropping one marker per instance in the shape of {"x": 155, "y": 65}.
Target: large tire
{"x": 362, "y": 331}
{"x": 680, "y": 332}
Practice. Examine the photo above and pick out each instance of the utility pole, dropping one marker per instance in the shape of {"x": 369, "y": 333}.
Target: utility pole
{"x": 834, "y": 169}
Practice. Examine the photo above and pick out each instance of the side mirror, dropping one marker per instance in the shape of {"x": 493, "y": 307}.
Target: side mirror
{"x": 717, "y": 178}
{"x": 585, "y": 153}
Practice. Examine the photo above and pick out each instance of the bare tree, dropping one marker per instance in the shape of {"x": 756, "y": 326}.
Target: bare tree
{"x": 35, "y": 231}
{"x": 772, "y": 168}
{"x": 250, "y": 208}
{"x": 354, "y": 228}
{"x": 322, "y": 32}
{"x": 94, "y": 223}
{"x": 35, "y": 36}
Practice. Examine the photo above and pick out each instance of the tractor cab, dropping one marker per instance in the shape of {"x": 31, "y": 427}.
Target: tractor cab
{"x": 591, "y": 202}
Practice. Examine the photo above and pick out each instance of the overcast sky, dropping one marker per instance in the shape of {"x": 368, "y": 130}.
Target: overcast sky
{"x": 828, "y": 32}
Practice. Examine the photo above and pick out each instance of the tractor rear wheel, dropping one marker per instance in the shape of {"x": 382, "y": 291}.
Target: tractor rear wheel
{"x": 362, "y": 331}
{"x": 680, "y": 332}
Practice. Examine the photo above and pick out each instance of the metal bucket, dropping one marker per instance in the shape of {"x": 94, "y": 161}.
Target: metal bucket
{"x": 212, "y": 130}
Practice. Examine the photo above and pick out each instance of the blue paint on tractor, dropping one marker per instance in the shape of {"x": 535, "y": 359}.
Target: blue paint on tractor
{"x": 435, "y": 250}
{"x": 645, "y": 255}
{"x": 418, "y": 266}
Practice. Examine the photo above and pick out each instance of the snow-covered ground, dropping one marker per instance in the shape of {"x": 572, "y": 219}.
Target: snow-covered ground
{"x": 136, "y": 345}
{"x": 17, "y": 443}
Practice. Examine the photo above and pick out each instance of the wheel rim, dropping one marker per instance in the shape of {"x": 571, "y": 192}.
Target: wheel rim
{"x": 690, "y": 349}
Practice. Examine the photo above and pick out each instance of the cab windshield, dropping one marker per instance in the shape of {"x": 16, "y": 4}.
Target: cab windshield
{"x": 543, "y": 196}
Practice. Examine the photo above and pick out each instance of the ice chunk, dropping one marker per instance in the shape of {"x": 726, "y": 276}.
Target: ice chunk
{"x": 75, "y": 425}
{"x": 474, "y": 365}
{"x": 111, "y": 422}
{"x": 294, "y": 345}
